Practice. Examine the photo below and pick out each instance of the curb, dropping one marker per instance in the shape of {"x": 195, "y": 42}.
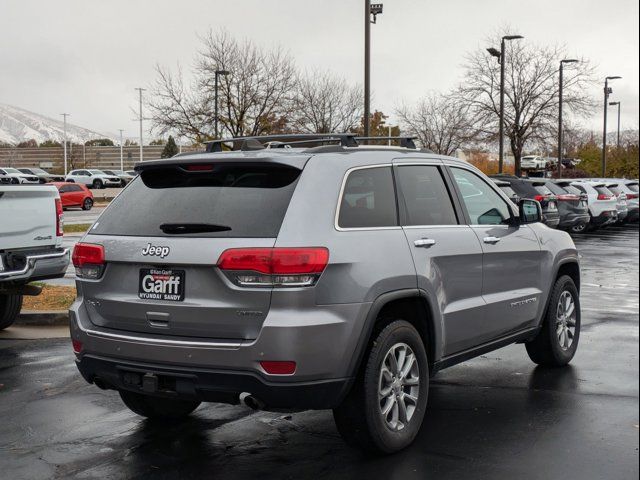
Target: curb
{"x": 42, "y": 318}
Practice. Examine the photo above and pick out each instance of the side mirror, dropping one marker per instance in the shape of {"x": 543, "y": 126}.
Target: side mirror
{"x": 530, "y": 211}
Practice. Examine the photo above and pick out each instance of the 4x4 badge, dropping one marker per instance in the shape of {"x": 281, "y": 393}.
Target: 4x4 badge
{"x": 155, "y": 251}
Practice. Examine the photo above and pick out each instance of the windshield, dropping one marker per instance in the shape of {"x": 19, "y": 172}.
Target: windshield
{"x": 38, "y": 170}
{"x": 11, "y": 170}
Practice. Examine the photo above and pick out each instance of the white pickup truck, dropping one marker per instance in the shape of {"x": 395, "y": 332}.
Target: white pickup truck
{"x": 31, "y": 228}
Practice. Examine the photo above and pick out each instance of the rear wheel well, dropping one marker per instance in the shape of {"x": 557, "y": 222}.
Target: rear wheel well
{"x": 572, "y": 270}
{"x": 414, "y": 310}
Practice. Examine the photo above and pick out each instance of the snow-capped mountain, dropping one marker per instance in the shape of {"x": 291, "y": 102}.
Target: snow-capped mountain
{"x": 18, "y": 125}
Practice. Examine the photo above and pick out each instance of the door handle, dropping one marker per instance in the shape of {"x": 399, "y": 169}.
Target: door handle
{"x": 424, "y": 242}
{"x": 491, "y": 240}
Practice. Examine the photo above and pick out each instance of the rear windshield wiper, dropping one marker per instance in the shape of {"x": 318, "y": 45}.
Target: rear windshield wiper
{"x": 178, "y": 228}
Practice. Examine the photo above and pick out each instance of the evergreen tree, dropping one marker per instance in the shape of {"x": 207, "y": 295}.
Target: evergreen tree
{"x": 170, "y": 149}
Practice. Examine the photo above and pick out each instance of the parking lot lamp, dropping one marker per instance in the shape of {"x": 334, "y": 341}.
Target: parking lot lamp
{"x": 140, "y": 90}
{"x": 500, "y": 55}
{"x": 371, "y": 11}
{"x": 607, "y": 91}
{"x": 560, "y": 139}
{"x": 64, "y": 116}
{"x": 217, "y": 75}
{"x": 618, "y": 138}
{"x": 121, "y": 156}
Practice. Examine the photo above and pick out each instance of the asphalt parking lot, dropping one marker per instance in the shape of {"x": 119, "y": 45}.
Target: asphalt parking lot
{"x": 497, "y": 416}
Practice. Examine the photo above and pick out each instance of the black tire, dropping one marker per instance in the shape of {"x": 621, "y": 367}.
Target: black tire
{"x": 10, "y": 306}
{"x": 546, "y": 349}
{"x": 158, "y": 407}
{"x": 87, "y": 204}
{"x": 97, "y": 184}
{"x": 359, "y": 418}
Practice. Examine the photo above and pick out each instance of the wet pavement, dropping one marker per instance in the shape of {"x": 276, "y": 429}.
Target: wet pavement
{"x": 497, "y": 416}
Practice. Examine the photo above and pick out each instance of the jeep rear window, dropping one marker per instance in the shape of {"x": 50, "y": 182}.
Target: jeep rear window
{"x": 248, "y": 200}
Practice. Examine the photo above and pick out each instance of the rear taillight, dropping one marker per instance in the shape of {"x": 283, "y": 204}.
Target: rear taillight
{"x": 632, "y": 196}
{"x": 59, "y": 218}
{"x": 568, "y": 198}
{"x": 602, "y": 196}
{"x": 539, "y": 198}
{"x": 269, "y": 267}
{"x": 88, "y": 258}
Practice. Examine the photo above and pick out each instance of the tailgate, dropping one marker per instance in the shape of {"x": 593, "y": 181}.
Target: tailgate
{"x": 162, "y": 238}
{"x": 27, "y": 216}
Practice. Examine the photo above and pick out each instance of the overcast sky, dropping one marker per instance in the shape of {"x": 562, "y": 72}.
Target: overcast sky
{"x": 86, "y": 57}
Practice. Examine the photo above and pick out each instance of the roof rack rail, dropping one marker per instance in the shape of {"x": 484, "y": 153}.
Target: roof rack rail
{"x": 258, "y": 142}
{"x": 405, "y": 141}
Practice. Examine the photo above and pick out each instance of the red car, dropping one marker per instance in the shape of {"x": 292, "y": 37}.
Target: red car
{"x": 74, "y": 195}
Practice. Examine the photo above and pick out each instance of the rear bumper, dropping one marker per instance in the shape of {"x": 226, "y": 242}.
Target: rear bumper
{"x": 40, "y": 265}
{"x": 605, "y": 218}
{"x": 320, "y": 340}
{"x": 573, "y": 219}
{"x": 211, "y": 385}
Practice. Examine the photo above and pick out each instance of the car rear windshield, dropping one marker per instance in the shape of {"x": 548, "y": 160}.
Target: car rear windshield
{"x": 557, "y": 189}
{"x": 633, "y": 187}
{"x": 603, "y": 191}
{"x": 543, "y": 190}
{"x": 508, "y": 190}
{"x": 227, "y": 201}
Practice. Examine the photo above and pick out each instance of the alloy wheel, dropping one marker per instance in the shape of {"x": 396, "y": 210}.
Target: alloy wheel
{"x": 398, "y": 386}
{"x": 566, "y": 320}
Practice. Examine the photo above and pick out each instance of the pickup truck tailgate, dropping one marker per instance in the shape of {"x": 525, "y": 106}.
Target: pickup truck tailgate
{"x": 28, "y": 216}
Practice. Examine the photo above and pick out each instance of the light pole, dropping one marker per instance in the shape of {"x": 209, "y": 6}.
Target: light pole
{"x": 64, "y": 116}
{"x": 560, "y": 139}
{"x": 371, "y": 11}
{"x": 215, "y": 101}
{"x": 121, "y": 156}
{"x": 140, "y": 90}
{"x": 500, "y": 55}
{"x": 607, "y": 91}
{"x": 618, "y": 138}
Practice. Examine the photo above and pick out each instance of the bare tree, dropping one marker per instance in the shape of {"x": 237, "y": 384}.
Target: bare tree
{"x": 440, "y": 122}
{"x": 531, "y": 92}
{"x": 254, "y": 98}
{"x": 325, "y": 103}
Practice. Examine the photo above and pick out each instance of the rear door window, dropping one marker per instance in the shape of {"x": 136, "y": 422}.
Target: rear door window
{"x": 228, "y": 201}
{"x": 426, "y": 198}
{"x": 368, "y": 199}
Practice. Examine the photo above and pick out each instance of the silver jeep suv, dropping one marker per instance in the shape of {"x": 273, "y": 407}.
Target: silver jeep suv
{"x": 337, "y": 276}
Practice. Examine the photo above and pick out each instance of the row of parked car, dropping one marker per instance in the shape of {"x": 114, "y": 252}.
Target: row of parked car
{"x": 92, "y": 178}
{"x": 577, "y": 205}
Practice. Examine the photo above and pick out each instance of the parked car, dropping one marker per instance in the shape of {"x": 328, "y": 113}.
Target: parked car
{"x": 621, "y": 198}
{"x": 330, "y": 277}
{"x": 44, "y": 176}
{"x": 573, "y": 206}
{"x": 525, "y": 188}
{"x": 630, "y": 189}
{"x": 75, "y": 195}
{"x": 93, "y": 178}
{"x": 533, "y": 162}
{"x": 602, "y": 203}
{"x": 17, "y": 177}
{"x": 31, "y": 229}
{"x": 124, "y": 176}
